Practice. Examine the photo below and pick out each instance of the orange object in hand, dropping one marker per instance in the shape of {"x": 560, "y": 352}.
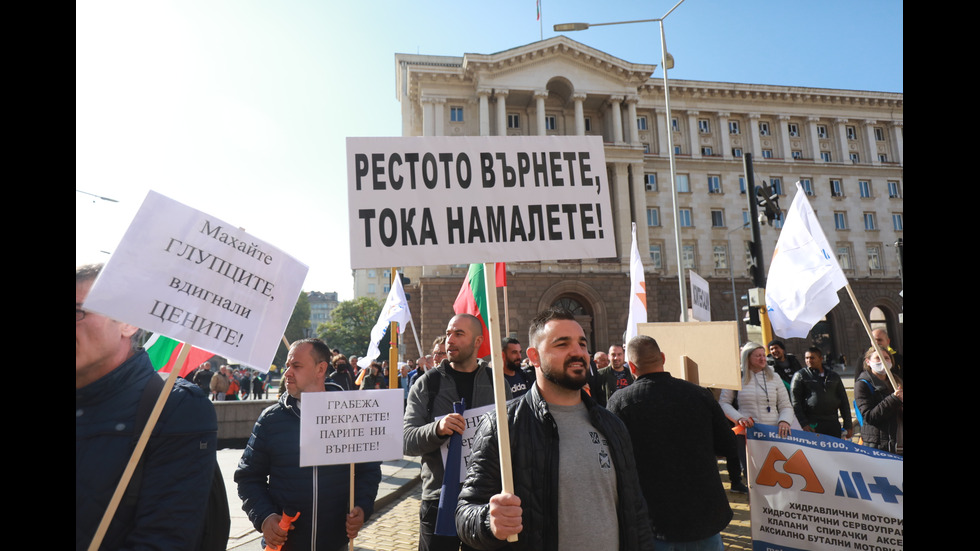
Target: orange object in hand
{"x": 285, "y": 522}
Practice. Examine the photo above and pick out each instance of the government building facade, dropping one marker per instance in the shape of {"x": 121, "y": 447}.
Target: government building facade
{"x": 845, "y": 148}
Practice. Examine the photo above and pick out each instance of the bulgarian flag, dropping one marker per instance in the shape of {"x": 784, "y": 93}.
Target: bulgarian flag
{"x": 472, "y": 299}
{"x": 163, "y": 353}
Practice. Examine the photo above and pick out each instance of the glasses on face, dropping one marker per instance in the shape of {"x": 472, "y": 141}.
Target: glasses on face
{"x": 79, "y": 314}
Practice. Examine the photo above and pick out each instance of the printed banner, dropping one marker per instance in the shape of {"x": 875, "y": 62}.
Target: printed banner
{"x": 419, "y": 201}
{"x": 700, "y": 297}
{"x": 810, "y": 491}
{"x": 350, "y": 427}
{"x": 472, "y": 417}
{"x": 196, "y": 279}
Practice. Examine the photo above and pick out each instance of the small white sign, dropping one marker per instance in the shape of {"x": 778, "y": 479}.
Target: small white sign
{"x": 417, "y": 201}
{"x": 700, "y": 298}
{"x": 197, "y": 279}
{"x": 350, "y": 427}
{"x": 472, "y": 417}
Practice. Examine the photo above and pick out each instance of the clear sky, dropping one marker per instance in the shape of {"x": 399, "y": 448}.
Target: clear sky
{"x": 240, "y": 108}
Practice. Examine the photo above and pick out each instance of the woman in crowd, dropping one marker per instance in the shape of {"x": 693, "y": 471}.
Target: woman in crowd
{"x": 763, "y": 399}
{"x": 880, "y": 404}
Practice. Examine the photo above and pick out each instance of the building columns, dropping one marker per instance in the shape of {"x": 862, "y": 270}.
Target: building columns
{"x": 501, "y": 97}
{"x": 579, "y": 100}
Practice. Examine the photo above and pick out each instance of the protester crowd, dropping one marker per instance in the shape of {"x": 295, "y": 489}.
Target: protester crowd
{"x": 645, "y": 443}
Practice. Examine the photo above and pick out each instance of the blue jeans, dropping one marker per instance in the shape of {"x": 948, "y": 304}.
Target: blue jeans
{"x": 707, "y": 544}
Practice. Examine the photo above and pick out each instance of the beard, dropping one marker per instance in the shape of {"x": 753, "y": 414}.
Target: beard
{"x": 562, "y": 377}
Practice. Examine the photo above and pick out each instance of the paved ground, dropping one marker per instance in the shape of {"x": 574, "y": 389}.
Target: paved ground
{"x": 394, "y": 526}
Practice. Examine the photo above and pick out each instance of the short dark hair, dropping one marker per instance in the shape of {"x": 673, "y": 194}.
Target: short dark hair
{"x": 643, "y": 351}
{"x": 776, "y": 342}
{"x": 507, "y": 341}
{"x": 815, "y": 350}
{"x": 542, "y": 319}
{"x": 321, "y": 352}
{"x": 441, "y": 339}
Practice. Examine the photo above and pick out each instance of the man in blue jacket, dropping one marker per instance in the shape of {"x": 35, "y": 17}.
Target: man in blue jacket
{"x": 111, "y": 372}
{"x": 271, "y": 481}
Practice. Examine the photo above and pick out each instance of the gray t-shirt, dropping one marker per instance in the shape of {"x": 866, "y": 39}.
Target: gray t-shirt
{"x": 587, "y": 496}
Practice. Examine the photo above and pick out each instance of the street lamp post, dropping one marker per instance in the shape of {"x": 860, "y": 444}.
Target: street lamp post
{"x": 667, "y": 62}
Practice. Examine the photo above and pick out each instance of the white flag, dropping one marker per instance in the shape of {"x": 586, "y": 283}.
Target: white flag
{"x": 396, "y": 309}
{"x": 804, "y": 275}
{"x": 638, "y": 293}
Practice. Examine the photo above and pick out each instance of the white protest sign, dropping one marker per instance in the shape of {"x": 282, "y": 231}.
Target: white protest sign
{"x": 700, "y": 298}
{"x": 472, "y": 418}
{"x": 197, "y": 279}
{"x": 811, "y": 491}
{"x": 455, "y": 200}
{"x": 350, "y": 427}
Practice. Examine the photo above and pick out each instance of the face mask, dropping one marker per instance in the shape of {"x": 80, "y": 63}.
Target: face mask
{"x": 879, "y": 367}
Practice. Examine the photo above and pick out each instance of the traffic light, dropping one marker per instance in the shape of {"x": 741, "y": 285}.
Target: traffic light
{"x": 751, "y": 316}
{"x": 769, "y": 200}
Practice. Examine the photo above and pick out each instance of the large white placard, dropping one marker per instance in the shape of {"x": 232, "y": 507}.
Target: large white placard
{"x": 457, "y": 200}
{"x": 350, "y": 427}
{"x": 811, "y": 491}
{"x": 700, "y": 298}
{"x": 197, "y": 279}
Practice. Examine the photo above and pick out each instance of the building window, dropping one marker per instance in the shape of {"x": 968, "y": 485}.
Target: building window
{"x": 706, "y": 151}
{"x": 685, "y": 218}
{"x": 371, "y": 288}
{"x": 777, "y": 185}
{"x": 851, "y": 132}
{"x": 677, "y": 150}
{"x": 879, "y": 134}
{"x": 641, "y": 123}
{"x": 456, "y": 114}
{"x": 656, "y": 256}
{"x": 646, "y": 148}
{"x": 736, "y": 152}
{"x": 741, "y": 185}
{"x": 704, "y": 126}
{"x": 864, "y": 187}
{"x": 651, "y": 181}
{"x": 840, "y": 220}
{"x": 855, "y": 158}
{"x": 653, "y": 216}
{"x": 763, "y": 128}
{"x": 893, "y": 190}
{"x": 777, "y": 221}
{"x": 588, "y": 124}
{"x": 836, "y": 189}
{"x": 794, "y": 129}
{"x": 372, "y": 273}
{"x": 387, "y": 287}
{"x": 717, "y": 218}
{"x": 683, "y": 184}
{"x": 797, "y": 154}
{"x": 882, "y": 158}
{"x": 869, "y": 222}
{"x": 513, "y": 120}
{"x": 689, "y": 257}
{"x": 807, "y": 186}
{"x": 825, "y": 156}
{"x": 714, "y": 184}
{"x": 874, "y": 257}
{"x": 720, "y": 255}
{"x": 821, "y": 131}
{"x": 733, "y": 127}
{"x": 844, "y": 257}
{"x": 767, "y": 154}
{"x": 675, "y": 125}
{"x": 550, "y": 122}
{"x": 897, "y": 223}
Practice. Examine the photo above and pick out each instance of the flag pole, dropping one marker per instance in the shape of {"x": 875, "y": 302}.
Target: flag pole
{"x": 127, "y": 474}
{"x": 874, "y": 342}
{"x": 499, "y": 390}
